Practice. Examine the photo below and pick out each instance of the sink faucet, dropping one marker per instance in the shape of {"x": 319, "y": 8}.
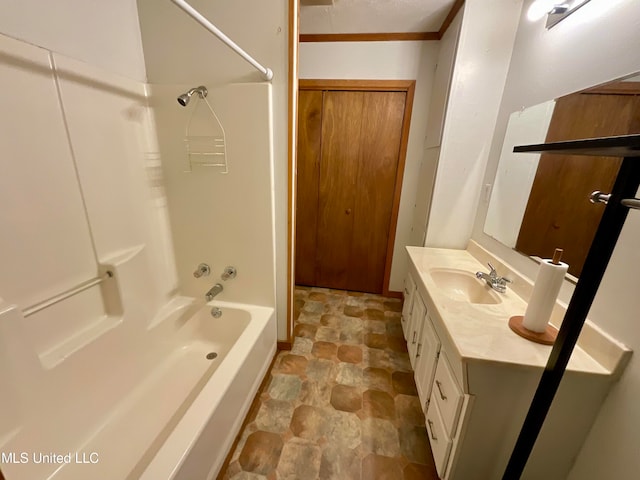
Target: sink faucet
{"x": 215, "y": 290}
{"x": 496, "y": 282}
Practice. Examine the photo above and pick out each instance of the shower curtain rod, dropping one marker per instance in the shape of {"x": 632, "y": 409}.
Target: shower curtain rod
{"x": 267, "y": 74}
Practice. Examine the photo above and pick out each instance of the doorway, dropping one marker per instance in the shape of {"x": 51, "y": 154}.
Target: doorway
{"x": 352, "y": 139}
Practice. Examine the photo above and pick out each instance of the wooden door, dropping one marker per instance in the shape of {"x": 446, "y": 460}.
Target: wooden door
{"x": 382, "y": 117}
{"x": 350, "y": 171}
{"x": 338, "y": 184}
{"x": 307, "y": 175}
{"x": 558, "y": 213}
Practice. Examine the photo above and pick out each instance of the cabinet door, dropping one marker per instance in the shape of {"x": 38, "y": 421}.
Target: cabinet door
{"x": 409, "y": 294}
{"x": 448, "y": 394}
{"x": 418, "y": 315}
{"x": 438, "y": 438}
{"x": 428, "y": 351}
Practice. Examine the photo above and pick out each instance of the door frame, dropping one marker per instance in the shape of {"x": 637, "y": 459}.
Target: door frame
{"x": 407, "y": 86}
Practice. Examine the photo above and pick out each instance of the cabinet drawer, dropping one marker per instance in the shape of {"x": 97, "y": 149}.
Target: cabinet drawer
{"x": 447, "y": 393}
{"x": 438, "y": 438}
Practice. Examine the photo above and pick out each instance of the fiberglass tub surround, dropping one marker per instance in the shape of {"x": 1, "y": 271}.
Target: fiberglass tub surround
{"x": 169, "y": 383}
{"x": 119, "y": 371}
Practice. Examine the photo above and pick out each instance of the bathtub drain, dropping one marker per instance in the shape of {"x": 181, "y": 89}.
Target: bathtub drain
{"x": 211, "y": 356}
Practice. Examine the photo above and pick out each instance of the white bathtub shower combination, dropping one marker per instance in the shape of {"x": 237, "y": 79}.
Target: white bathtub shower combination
{"x": 93, "y": 170}
{"x": 132, "y": 401}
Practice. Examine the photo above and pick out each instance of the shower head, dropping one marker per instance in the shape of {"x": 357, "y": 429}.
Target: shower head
{"x": 185, "y": 97}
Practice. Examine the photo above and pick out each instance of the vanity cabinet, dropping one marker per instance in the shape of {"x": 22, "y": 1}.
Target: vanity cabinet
{"x": 476, "y": 379}
{"x": 438, "y": 390}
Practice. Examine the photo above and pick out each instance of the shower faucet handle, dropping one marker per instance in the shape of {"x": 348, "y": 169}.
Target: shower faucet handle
{"x": 203, "y": 270}
{"x": 229, "y": 273}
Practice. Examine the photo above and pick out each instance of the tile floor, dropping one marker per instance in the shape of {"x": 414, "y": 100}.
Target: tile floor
{"x": 342, "y": 404}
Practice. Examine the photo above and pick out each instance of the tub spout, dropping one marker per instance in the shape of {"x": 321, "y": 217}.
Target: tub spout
{"x": 215, "y": 290}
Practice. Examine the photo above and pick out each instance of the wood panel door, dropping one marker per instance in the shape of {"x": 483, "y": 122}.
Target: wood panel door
{"x": 349, "y": 168}
{"x": 307, "y": 175}
{"x": 558, "y": 213}
{"x": 338, "y": 186}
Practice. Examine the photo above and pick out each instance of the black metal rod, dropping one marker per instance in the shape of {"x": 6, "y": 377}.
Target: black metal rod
{"x": 604, "y": 242}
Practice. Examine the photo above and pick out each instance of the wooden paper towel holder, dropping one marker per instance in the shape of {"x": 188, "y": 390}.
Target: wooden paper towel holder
{"x": 548, "y": 337}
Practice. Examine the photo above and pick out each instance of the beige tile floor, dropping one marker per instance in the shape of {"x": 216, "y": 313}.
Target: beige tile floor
{"x": 342, "y": 404}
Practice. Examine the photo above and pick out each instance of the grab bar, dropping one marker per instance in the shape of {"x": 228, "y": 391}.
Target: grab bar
{"x": 66, "y": 294}
{"x": 202, "y": 20}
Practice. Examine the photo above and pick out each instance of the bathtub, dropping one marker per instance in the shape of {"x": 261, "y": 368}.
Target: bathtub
{"x": 146, "y": 403}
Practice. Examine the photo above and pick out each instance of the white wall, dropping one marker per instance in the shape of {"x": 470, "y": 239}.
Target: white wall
{"x": 180, "y": 54}
{"x": 435, "y": 122}
{"x": 104, "y": 34}
{"x": 548, "y": 64}
{"x": 482, "y": 61}
{"x": 384, "y": 61}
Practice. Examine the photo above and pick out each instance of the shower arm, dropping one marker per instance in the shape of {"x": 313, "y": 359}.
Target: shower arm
{"x": 267, "y": 74}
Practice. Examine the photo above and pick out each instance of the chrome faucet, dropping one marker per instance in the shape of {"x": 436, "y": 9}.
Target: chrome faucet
{"x": 215, "y": 290}
{"x": 229, "y": 273}
{"x": 499, "y": 284}
{"x": 203, "y": 270}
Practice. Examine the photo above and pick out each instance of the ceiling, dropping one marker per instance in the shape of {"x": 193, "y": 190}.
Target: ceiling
{"x": 373, "y": 16}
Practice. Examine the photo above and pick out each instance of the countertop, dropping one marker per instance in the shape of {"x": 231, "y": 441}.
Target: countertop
{"x": 480, "y": 332}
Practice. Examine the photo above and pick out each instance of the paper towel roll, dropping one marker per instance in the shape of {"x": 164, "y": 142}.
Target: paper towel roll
{"x": 545, "y": 293}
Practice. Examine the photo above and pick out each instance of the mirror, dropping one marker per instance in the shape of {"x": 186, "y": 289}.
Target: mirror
{"x": 541, "y": 202}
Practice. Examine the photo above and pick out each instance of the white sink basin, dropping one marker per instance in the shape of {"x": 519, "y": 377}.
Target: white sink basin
{"x": 463, "y": 286}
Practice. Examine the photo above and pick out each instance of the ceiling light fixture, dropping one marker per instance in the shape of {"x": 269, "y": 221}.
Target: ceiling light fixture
{"x": 554, "y": 10}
